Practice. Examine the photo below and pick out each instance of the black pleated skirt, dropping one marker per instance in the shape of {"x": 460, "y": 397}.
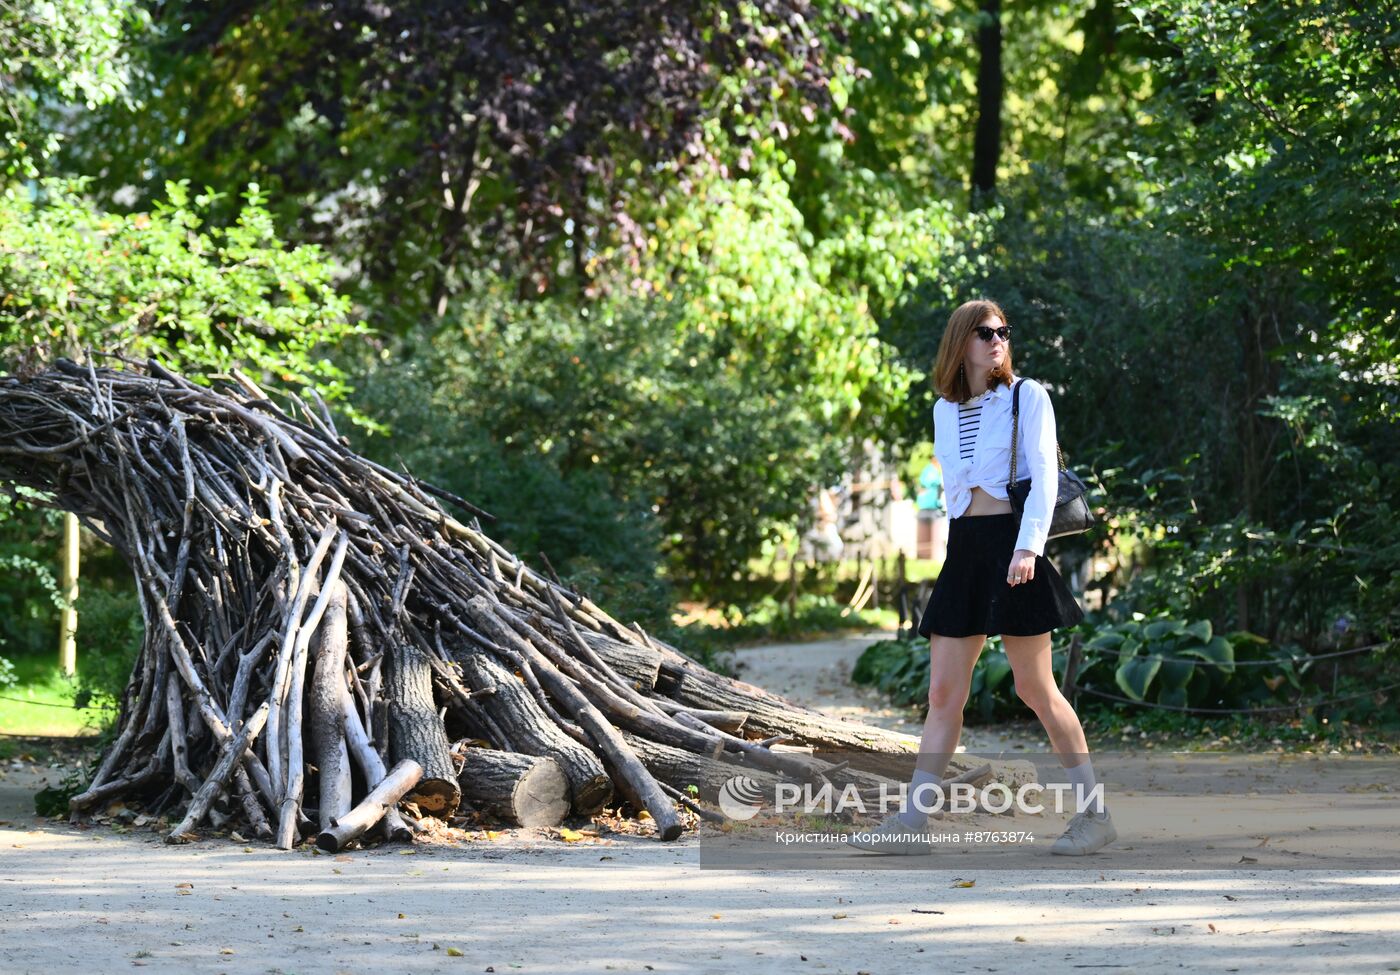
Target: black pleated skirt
{"x": 971, "y": 595}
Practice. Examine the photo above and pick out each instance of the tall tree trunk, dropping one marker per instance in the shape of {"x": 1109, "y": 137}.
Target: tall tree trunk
{"x": 986, "y": 146}
{"x": 1259, "y": 337}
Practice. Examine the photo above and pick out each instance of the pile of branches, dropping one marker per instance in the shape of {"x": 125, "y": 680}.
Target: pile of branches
{"x": 320, "y": 631}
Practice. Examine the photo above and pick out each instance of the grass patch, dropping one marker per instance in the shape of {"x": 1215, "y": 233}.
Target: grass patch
{"x": 710, "y": 632}
{"x": 40, "y": 703}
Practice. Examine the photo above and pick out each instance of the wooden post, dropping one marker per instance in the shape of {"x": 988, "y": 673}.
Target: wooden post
{"x": 68, "y": 616}
{"x": 792, "y": 586}
{"x": 1067, "y": 686}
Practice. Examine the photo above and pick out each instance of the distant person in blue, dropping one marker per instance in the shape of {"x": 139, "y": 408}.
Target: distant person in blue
{"x": 933, "y": 513}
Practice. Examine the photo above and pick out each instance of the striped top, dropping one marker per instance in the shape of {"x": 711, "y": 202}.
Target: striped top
{"x": 969, "y": 418}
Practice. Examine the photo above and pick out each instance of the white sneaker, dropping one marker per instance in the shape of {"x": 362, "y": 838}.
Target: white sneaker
{"x": 894, "y": 837}
{"x": 1085, "y": 834}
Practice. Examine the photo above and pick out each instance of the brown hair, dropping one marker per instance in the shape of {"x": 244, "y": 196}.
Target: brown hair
{"x": 949, "y": 377}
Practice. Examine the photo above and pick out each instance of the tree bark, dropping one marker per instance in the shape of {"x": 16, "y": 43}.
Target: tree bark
{"x": 528, "y": 729}
{"x": 986, "y": 146}
{"x": 416, "y": 732}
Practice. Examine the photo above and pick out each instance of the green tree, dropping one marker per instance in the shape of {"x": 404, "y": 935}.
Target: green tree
{"x": 426, "y": 142}
{"x": 55, "y": 54}
{"x": 168, "y": 284}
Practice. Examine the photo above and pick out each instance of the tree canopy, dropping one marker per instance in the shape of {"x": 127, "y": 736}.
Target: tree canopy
{"x": 664, "y": 266}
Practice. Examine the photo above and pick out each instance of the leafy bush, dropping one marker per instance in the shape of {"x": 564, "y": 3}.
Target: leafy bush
{"x": 170, "y": 283}
{"x": 1179, "y": 663}
{"x": 605, "y": 544}
{"x": 29, "y": 594}
{"x": 110, "y": 628}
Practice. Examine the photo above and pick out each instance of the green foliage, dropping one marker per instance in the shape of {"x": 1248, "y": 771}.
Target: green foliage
{"x": 1163, "y": 660}
{"x": 1179, "y": 664}
{"x": 56, "y": 53}
{"x": 169, "y": 284}
{"x": 29, "y": 596}
{"x": 425, "y": 144}
{"x": 1278, "y": 123}
{"x": 1306, "y": 733}
{"x": 43, "y": 701}
{"x": 446, "y": 430}
{"x": 706, "y": 434}
{"x": 52, "y": 800}
{"x": 109, "y": 641}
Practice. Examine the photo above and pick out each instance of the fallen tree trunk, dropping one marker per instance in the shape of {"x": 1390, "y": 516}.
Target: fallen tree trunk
{"x": 282, "y": 574}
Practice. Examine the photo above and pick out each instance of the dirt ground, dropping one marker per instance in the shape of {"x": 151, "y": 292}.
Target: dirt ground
{"x": 103, "y": 899}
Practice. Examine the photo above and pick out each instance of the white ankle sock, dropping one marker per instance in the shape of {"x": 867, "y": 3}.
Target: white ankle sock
{"x": 1082, "y": 777}
{"x": 912, "y": 816}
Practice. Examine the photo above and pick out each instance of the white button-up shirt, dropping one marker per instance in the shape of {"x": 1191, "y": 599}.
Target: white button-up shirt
{"x": 990, "y": 466}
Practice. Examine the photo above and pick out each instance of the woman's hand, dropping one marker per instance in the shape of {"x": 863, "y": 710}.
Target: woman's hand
{"x": 1022, "y": 568}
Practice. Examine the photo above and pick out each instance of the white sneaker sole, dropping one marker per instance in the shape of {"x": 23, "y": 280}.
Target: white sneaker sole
{"x": 1074, "y": 851}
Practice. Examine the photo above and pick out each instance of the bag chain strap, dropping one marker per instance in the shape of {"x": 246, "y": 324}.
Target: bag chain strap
{"x": 1015, "y": 431}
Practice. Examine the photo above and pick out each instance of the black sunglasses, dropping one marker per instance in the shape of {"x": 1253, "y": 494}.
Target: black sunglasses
{"x": 985, "y": 334}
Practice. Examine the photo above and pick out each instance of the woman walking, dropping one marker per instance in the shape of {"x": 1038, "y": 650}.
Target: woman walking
{"x": 996, "y": 579}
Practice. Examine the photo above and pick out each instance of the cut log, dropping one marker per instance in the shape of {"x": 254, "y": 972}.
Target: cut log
{"x": 681, "y": 769}
{"x": 416, "y": 732}
{"x": 523, "y": 789}
{"x": 514, "y": 711}
{"x": 771, "y": 714}
{"x": 383, "y": 797}
{"x": 640, "y": 665}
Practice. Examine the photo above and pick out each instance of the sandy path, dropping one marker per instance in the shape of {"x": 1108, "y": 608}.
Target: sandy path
{"x": 97, "y": 900}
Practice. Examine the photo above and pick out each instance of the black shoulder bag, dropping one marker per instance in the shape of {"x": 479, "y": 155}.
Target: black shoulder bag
{"x": 1072, "y": 514}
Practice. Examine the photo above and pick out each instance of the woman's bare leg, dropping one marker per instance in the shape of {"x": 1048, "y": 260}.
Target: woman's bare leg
{"x": 951, "y": 660}
{"x": 1092, "y": 829}
{"x": 1035, "y": 685}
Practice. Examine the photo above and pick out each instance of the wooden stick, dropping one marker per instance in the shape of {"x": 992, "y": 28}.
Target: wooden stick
{"x": 401, "y": 778}
{"x": 228, "y": 758}
{"x": 327, "y": 698}
{"x": 370, "y": 762}
{"x": 179, "y": 744}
